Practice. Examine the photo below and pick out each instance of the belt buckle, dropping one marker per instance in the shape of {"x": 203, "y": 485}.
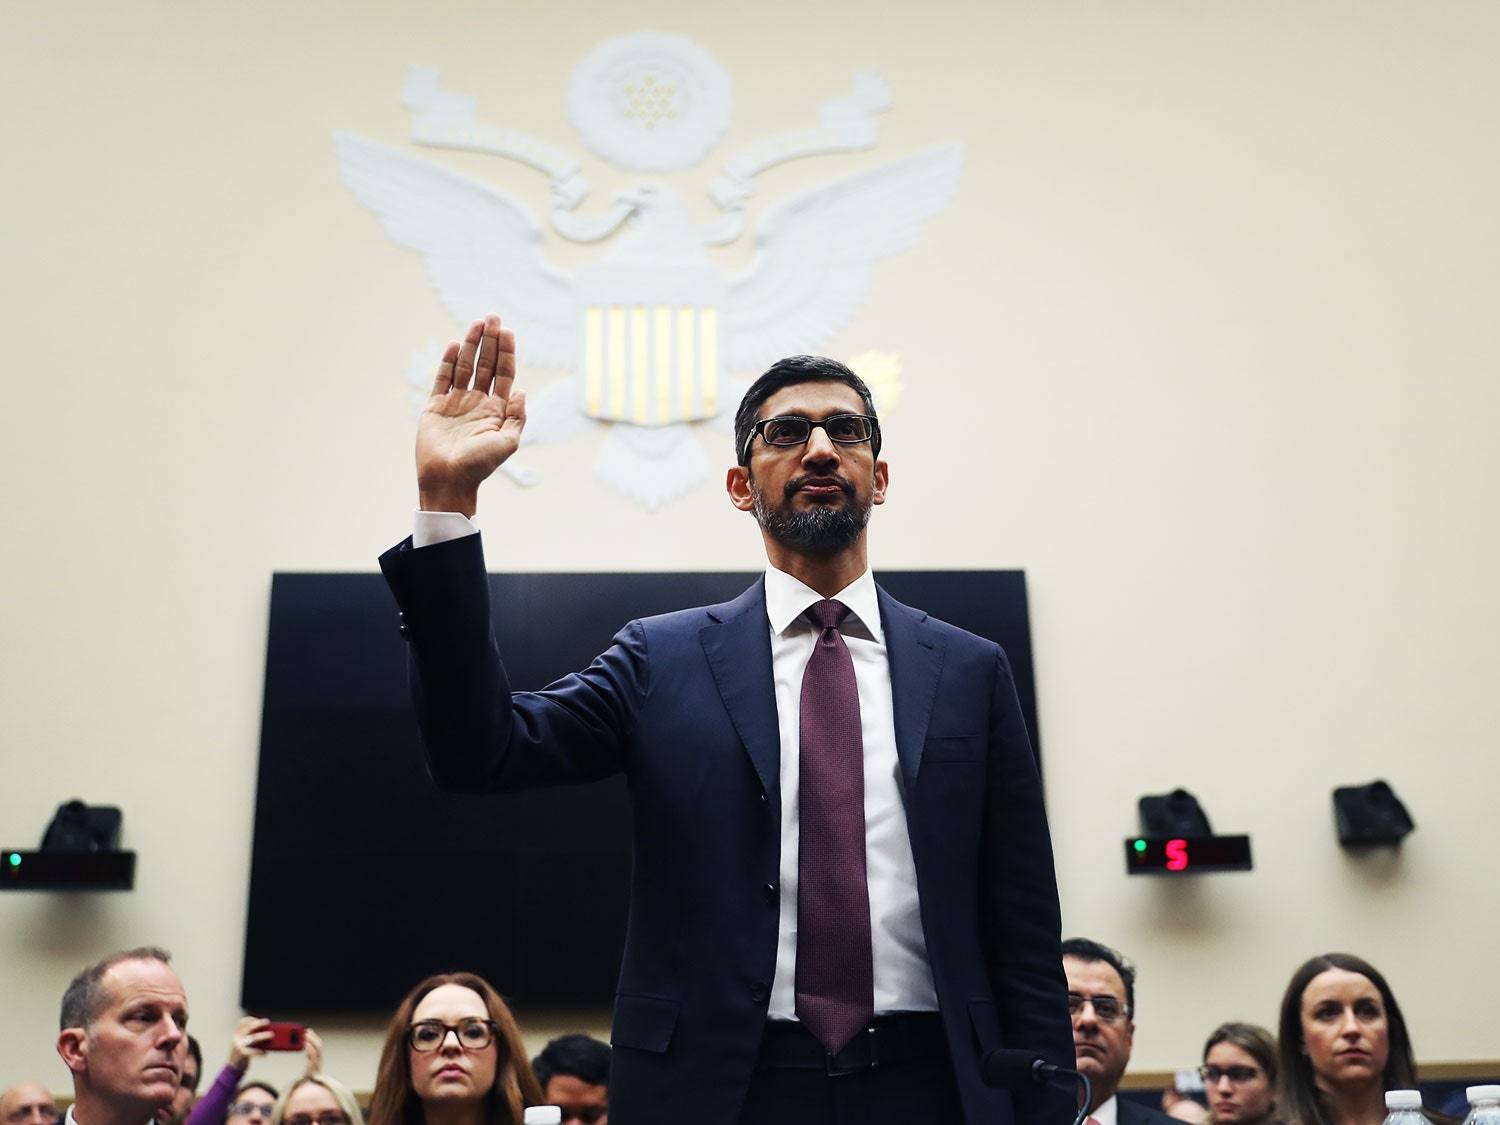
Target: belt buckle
{"x": 837, "y": 1068}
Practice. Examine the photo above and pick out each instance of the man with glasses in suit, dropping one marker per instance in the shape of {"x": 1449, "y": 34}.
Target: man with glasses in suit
{"x": 843, "y": 892}
{"x": 1101, "y": 1001}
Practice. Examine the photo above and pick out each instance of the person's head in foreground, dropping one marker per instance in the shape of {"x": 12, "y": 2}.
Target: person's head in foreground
{"x": 123, "y": 1029}
{"x": 807, "y": 441}
{"x": 573, "y": 1072}
{"x": 317, "y": 1099}
{"x": 1101, "y": 1001}
{"x": 27, "y": 1103}
{"x": 1239, "y": 1074}
{"x": 1343, "y": 1043}
{"x": 453, "y": 1053}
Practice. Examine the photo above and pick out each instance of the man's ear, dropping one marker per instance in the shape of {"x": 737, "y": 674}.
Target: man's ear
{"x": 882, "y": 482}
{"x": 737, "y": 483}
{"x": 72, "y": 1047}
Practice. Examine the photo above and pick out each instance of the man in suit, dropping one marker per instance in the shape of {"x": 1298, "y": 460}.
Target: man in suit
{"x": 124, "y": 1037}
{"x": 843, "y": 892}
{"x": 1101, "y": 999}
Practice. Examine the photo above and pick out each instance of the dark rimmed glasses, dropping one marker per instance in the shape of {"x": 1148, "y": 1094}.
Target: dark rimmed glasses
{"x": 1106, "y": 1008}
{"x": 472, "y": 1034}
{"x": 793, "y": 429}
{"x": 1237, "y": 1075}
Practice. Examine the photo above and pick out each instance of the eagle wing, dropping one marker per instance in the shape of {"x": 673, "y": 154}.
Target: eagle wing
{"x": 483, "y": 249}
{"x": 815, "y": 252}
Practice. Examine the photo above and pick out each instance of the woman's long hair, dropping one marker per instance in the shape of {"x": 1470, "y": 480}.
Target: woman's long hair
{"x": 395, "y": 1102}
{"x": 1300, "y": 1099}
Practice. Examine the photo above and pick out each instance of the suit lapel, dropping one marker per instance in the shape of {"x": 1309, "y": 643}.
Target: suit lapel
{"x": 915, "y": 650}
{"x": 738, "y": 647}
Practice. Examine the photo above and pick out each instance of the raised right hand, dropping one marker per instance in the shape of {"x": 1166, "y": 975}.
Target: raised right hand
{"x": 472, "y": 421}
{"x": 248, "y": 1042}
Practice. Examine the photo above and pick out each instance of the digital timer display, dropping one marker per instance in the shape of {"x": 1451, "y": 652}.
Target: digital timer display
{"x": 1186, "y": 855}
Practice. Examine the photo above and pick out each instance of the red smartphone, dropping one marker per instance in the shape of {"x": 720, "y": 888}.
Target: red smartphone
{"x": 285, "y": 1036}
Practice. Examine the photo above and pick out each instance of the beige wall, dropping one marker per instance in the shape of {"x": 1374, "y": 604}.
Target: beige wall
{"x": 1206, "y": 345}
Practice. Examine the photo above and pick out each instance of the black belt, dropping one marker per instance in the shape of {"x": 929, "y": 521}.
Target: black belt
{"x": 887, "y": 1041}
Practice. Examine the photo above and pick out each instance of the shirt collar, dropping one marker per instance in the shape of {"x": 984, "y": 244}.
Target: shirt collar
{"x": 1109, "y": 1112}
{"x": 787, "y": 599}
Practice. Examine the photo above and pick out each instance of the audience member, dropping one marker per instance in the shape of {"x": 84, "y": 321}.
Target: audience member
{"x": 1239, "y": 1074}
{"x": 1343, "y": 1044}
{"x": 1101, "y": 1000}
{"x": 123, "y": 1022}
{"x": 317, "y": 1099}
{"x": 453, "y": 1056}
{"x": 253, "y": 1104}
{"x": 1183, "y": 1107}
{"x": 246, "y": 1044}
{"x": 187, "y": 1086}
{"x": 573, "y": 1072}
{"x": 27, "y": 1103}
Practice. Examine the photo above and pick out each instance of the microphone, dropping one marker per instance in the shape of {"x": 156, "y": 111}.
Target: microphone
{"x": 1013, "y": 1067}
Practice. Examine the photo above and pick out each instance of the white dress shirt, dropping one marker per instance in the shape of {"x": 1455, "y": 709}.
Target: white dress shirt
{"x": 903, "y": 979}
{"x": 1109, "y": 1112}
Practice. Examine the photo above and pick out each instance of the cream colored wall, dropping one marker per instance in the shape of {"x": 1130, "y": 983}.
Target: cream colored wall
{"x": 1206, "y": 345}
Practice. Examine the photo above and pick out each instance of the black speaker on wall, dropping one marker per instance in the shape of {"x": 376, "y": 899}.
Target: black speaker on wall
{"x": 1370, "y": 815}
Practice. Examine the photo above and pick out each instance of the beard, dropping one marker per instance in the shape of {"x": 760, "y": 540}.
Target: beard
{"x": 822, "y": 530}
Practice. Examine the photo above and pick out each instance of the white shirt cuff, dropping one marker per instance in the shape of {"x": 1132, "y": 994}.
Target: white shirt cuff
{"x": 430, "y": 528}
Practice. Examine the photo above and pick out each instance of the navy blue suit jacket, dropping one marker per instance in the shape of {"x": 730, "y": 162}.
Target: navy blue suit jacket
{"x": 684, "y": 705}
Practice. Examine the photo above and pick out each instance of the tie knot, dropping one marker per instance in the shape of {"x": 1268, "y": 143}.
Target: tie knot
{"x": 828, "y": 613}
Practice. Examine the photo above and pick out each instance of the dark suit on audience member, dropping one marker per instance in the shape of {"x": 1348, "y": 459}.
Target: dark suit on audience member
{"x": 684, "y": 705}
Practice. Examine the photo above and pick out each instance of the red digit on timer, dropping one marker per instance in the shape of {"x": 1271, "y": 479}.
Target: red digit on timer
{"x": 1177, "y": 857}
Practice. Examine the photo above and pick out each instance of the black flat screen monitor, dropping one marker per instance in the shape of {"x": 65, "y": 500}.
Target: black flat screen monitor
{"x": 364, "y": 878}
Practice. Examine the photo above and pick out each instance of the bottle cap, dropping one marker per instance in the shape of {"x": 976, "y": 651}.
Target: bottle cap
{"x": 1483, "y": 1094}
{"x": 543, "y": 1115}
{"x": 1403, "y": 1099}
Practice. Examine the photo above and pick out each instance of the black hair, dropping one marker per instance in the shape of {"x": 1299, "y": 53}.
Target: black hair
{"x": 790, "y": 372}
{"x": 581, "y": 1056}
{"x": 197, "y": 1055}
{"x": 1085, "y": 949}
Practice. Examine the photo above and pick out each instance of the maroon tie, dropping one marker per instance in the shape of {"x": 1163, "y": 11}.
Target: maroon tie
{"x": 835, "y": 974}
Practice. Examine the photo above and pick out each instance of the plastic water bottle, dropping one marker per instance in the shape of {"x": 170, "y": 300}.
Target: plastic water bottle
{"x": 542, "y": 1115}
{"x": 1404, "y": 1107}
{"x": 1484, "y": 1105}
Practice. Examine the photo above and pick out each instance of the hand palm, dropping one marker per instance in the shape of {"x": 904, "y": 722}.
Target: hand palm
{"x": 468, "y": 432}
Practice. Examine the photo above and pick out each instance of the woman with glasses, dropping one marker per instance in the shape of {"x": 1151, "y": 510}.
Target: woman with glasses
{"x": 317, "y": 1099}
{"x": 1343, "y": 1044}
{"x": 252, "y": 1105}
{"x": 1239, "y": 1075}
{"x": 453, "y": 1056}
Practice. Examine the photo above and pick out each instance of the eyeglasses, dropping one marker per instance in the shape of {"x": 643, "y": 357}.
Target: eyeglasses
{"x": 588, "y": 1114}
{"x": 329, "y": 1117}
{"x": 793, "y": 429}
{"x": 1238, "y": 1075}
{"x": 249, "y": 1109}
{"x": 429, "y": 1035}
{"x": 1106, "y": 1008}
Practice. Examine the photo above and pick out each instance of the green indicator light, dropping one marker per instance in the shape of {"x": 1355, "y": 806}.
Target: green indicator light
{"x": 1140, "y": 845}
{"x": 15, "y": 859}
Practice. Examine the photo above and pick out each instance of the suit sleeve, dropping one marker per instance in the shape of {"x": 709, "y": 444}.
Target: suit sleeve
{"x": 480, "y": 736}
{"x": 1020, "y": 917}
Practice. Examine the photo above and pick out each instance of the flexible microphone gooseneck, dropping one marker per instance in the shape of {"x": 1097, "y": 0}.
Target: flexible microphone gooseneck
{"x": 1011, "y": 1067}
